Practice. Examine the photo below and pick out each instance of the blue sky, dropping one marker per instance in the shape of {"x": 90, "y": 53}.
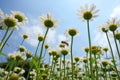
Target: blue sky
{"x": 66, "y": 12}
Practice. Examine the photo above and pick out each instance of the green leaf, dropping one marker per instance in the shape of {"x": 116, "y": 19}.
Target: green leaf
{"x": 3, "y": 54}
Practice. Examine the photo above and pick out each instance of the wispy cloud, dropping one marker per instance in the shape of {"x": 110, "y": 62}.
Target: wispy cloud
{"x": 61, "y": 38}
{"x": 100, "y": 39}
{"x": 115, "y": 12}
{"x": 34, "y": 30}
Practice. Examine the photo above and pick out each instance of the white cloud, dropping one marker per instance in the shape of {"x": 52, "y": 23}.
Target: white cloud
{"x": 100, "y": 39}
{"x": 51, "y": 37}
{"x": 62, "y": 38}
{"x": 115, "y": 12}
{"x": 34, "y": 31}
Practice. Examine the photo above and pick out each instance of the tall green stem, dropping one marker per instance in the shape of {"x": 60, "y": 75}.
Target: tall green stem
{"x": 22, "y": 42}
{"x": 60, "y": 67}
{"x": 4, "y": 36}
{"x": 72, "y": 58}
{"x": 90, "y": 50}
{"x": 115, "y": 66}
{"x": 96, "y": 67}
{"x": 116, "y": 45}
{"x": 64, "y": 68}
{"x": 43, "y": 45}
{"x": 7, "y": 39}
{"x": 51, "y": 68}
{"x": 105, "y": 78}
{"x": 37, "y": 48}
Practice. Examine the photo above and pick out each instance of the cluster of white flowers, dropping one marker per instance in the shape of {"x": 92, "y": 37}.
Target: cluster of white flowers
{"x": 12, "y": 20}
{"x": 33, "y": 74}
{"x": 16, "y": 56}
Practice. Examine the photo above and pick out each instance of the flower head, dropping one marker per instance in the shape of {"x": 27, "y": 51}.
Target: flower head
{"x": 46, "y": 46}
{"x": 25, "y": 36}
{"x": 76, "y": 59}
{"x": 105, "y": 49}
{"x": 28, "y": 54}
{"x": 88, "y": 12}
{"x": 8, "y": 21}
{"x": 86, "y": 49}
{"x": 105, "y": 63}
{"x": 103, "y": 28}
{"x": 40, "y": 38}
{"x": 72, "y": 32}
{"x": 64, "y": 51}
{"x": 14, "y": 76}
{"x": 22, "y": 48}
{"x": 117, "y": 35}
{"x": 20, "y": 17}
{"x": 48, "y": 21}
{"x": 113, "y": 24}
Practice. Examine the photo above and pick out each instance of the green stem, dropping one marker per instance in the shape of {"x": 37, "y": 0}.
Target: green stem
{"x": 51, "y": 68}
{"x": 96, "y": 67}
{"x": 54, "y": 63}
{"x": 115, "y": 66}
{"x": 4, "y": 36}
{"x": 60, "y": 67}
{"x": 22, "y": 42}
{"x": 72, "y": 58}
{"x": 86, "y": 69}
{"x": 11, "y": 67}
{"x": 90, "y": 50}
{"x": 119, "y": 41}
{"x": 109, "y": 75}
{"x": 64, "y": 68}
{"x": 116, "y": 45}
{"x": 37, "y": 48}
{"x": 45, "y": 53}
{"x": 105, "y": 74}
{"x": 43, "y": 45}
{"x": 7, "y": 39}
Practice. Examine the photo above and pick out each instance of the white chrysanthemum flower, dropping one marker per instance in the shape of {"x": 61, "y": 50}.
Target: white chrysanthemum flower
{"x": 72, "y": 32}
{"x": 17, "y": 56}
{"x": 25, "y": 36}
{"x": 113, "y": 24}
{"x": 8, "y": 22}
{"x": 22, "y": 48}
{"x": 20, "y": 17}
{"x": 21, "y": 78}
{"x": 33, "y": 74}
{"x": 88, "y": 12}
{"x": 103, "y": 28}
{"x": 48, "y": 21}
{"x": 105, "y": 62}
{"x": 11, "y": 56}
{"x": 19, "y": 70}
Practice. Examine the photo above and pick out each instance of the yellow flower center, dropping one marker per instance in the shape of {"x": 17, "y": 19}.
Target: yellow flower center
{"x": 19, "y": 18}
{"x": 104, "y": 29}
{"x": 87, "y": 15}
{"x": 113, "y": 27}
{"x": 64, "y": 52}
{"x": 117, "y": 36}
{"x": 40, "y": 38}
{"x": 48, "y": 23}
{"x": 25, "y": 36}
{"x": 72, "y": 32}
{"x": 14, "y": 76}
{"x": 10, "y": 22}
